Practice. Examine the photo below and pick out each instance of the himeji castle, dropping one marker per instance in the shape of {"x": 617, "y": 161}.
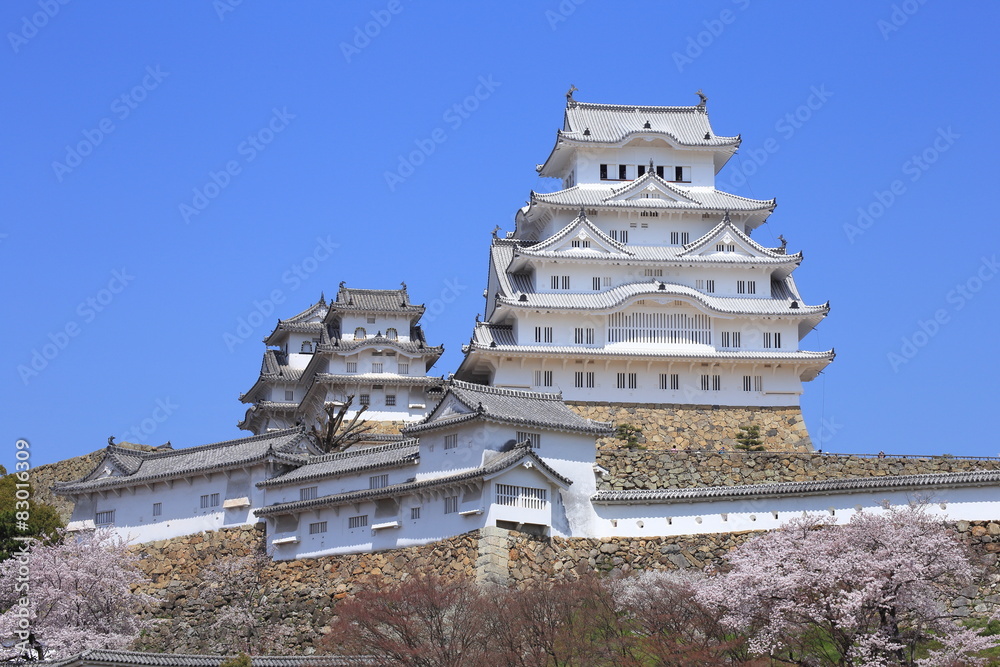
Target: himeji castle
{"x": 636, "y": 287}
{"x": 366, "y": 343}
{"x": 638, "y": 281}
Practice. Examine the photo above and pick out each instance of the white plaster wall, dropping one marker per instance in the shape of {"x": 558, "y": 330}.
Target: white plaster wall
{"x": 968, "y": 503}
{"x": 587, "y": 161}
{"x": 778, "y": 378}
{"x": 181, "y": 506}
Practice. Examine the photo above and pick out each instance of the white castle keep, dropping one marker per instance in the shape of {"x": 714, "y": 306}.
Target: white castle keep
{"x": 637, "y": 283}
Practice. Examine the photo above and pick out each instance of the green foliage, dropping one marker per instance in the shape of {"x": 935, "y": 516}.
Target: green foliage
{"x": 629, "y": 435}
{"x": 42, "y": 519}
{"x": 241, "y": 660}
{"x": 749, "y": 439}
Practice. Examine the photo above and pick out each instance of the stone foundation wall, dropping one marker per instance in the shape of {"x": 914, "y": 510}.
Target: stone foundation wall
{"x": 305, "y": 590}
{"x": 668, "y": 425}
{"x": 646, "y": 469}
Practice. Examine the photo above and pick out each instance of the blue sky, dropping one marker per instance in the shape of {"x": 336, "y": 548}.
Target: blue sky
{"x": 178, "y": 175}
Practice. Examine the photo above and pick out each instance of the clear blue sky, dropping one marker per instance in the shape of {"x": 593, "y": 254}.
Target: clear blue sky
{"x": 275, "y": 124}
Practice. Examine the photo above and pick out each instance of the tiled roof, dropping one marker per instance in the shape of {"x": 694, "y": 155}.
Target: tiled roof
{"x": 700, "y": 198}
{"x": 582, "y": 222}
{"x": 611, "y": 123}
{"x": 107, "y": 658}
{"x": 779, "y": 304}
{"x": 364, "y": 458}
{"x": 374, "y": 300}
{"x": 727, "y": 226}
{"x": 498, "y": 465}
{"x": 511, "y": 406}
{"x": 376, "y": 378}
{"x": 850, "y": 485}
{"x": 301, "y": 322}
{"x": 160, "y": 465}
{"x": 410, "y": 347}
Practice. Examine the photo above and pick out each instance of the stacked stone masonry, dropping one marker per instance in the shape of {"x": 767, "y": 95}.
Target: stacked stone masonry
{"x": 646, "y": 469}
{"x": 669, "y": 426}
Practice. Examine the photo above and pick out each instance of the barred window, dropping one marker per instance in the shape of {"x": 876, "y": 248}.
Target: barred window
{"x": 543, "y": 378}
{"x": 377, "y": 366}
{"x": 318, "y": 527}
{"x": 308, "y": 493}
{"x": 210, "y": 500}
{"x": 352, "y": 367}
{"x": 157, "y": 509}
{"x": 534, "y": 438}
{"x": 390, "y": 400}
{"x": 451, "y": 504}
{"x": 670, "y": 381}
{"x": 357, "y": 521}
{"x": 391, "y": 334}
{"x": 753, "y": 383}
{"x": 583, "y": 379}
{"x": 414, "y": 512}
{"x": 105, "y": 518}
{"x": 451, "y": 441}
{"x": 510, "y": 495}
{"x": 404, "y": 368}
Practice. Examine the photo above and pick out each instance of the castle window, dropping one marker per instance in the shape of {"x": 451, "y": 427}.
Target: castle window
{"x": 746, "y": 286}
{"x": 104, "y": 518}
{"x": 682, "y": 174}
{"x": 620, "y": 235}
{"x": 357, "y": 521}
{"x": 596, "y": 283}
{"x": 365, "y": 399}
{"x": 583, "y": 379}
{"x": 583, "y": 336}
{"x": 359, "y": 333}
{"x": 371, "y": 319}
{"x": 604, "y": 172}
{"x": 157, "y": 509}
{"x": 352, "y": 367}
{"x": 641, "y": 170}
{"x": 289, "y": 395}
{"x": 710, "y": 286}
{"x": 659, "y": 171}
{"x": 317, "y": 528}
{"x": 628, "y": 381}
{"x": 404, "y": 368}
{"x": 527, "y": 497}
{"x": 307, "y": 347}
{"x": 622, "y": 172}
{"x": 559, "y": 282}
{"x": 753, "y": 383}
{"x": 606, "y": 281}
{"x": 451, "y": 504}
{"x": 711, "y": 383}
{"x": 377, "y": 366}
{"x": 308, "y": 493}
{"x": 378, "y": 481}
{"x": 670, "y": 381}
{"x": 391, "y": 334}
{"x": 451, "y": 441}
{"x": 725, "y": 247}
{"x": 652, "y": 327}
{"x": 679, "y": 238}
{"x": 653, "y": 273}
{"x": 390, "y": 400}
{"x": 534, "y": 438}
{"x": 731, "y": 339}
{"x": 543, "y": 378}
{"x": 414, "y": 513}
{"x": 543, "y": 334}
{"x": 772, "y": 339}
{"x": 210, "y": 500}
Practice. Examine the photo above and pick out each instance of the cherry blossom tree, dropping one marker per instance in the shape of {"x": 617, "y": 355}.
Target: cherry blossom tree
{"x": 872, "y": 591}
{"x": 71, "y": 595}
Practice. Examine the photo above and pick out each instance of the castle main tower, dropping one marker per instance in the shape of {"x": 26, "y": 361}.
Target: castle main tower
{"x": 638, "y": 285}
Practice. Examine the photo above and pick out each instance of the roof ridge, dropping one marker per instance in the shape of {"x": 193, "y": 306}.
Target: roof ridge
{"x": 339, "y": 456}
{"x": 504, "y": 391}
{"x": 223, "y": 443}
